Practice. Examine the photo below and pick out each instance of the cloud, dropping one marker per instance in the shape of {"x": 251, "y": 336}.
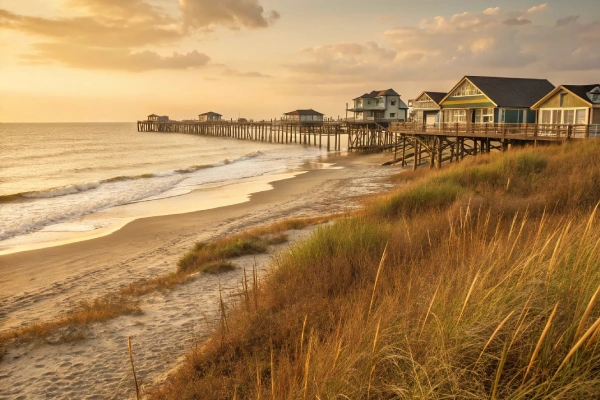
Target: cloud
{"x": 112, "y": 59}
{"x": 492, "y": 11}
{"x": 567, "y": 21}
{"x": 204, "y": 14}
{"x": 117, "y": 34}
{"x": 91, "y": 31}
{"x": 517, "y": 21}
{"x": 246, "y": 74}
{"x": 491, "y": 42}
{"x": 130, "y": 9}
{"x": 538, "y": 8}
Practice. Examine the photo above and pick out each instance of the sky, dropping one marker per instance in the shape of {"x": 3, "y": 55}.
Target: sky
{"x": 120, "y": 60}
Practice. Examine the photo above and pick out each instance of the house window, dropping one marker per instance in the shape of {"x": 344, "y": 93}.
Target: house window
{"x": 594, "y": 95}
{"x": 556, "y": 116}
{"x": 393, "y": 102}
{"x": 546, "y": 117}
{"x": 569, "y": 117}
{"x": 580, "y": 117}
{"x": 466, "y": 89}
{"x": 453, "y": 116}
{"x": 392, "y": 115}
{"x": 563, "y": 96}
{"x": 484, "y": 115}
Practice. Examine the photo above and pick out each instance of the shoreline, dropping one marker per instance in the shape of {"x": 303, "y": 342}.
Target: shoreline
{"x": 24, "y": 273}
{"x": 41, "y": 285}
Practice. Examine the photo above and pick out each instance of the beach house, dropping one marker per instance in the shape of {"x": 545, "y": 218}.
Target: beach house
{"x": 304, "y": 116}
{"x": 485, "y": 99}
{"x": 379, "y": 106}
{"x": 158, "y": 118}
{"x": 426, "y": 107}
{"x": 570, "y": 104}
{"x": 209, "y": 117}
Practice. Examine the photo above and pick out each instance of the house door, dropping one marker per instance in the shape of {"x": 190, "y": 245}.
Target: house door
{"x": 430, "y": 119}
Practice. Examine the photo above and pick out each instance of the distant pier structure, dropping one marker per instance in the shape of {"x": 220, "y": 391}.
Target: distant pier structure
{"x": 306, "y": 127}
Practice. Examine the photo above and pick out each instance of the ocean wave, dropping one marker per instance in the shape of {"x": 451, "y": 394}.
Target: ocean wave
{"x": 84, "y": 187}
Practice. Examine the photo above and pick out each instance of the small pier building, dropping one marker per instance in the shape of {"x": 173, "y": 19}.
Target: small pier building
{"x": 158, "y": 118}
{"x": 304, "y": 116}
{"x": 210, "y": 117}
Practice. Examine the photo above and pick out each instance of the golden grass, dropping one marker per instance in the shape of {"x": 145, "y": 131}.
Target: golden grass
{"x": 99, "y": 310}
{"x": 488, "y": 289}
{"x": 208, "y": 258}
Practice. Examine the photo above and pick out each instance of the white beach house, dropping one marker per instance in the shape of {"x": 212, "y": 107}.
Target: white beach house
{"x": 379, "y": 106}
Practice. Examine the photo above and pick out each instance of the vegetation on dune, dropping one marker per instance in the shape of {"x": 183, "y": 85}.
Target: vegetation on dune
{"x": 478, "y": 281}
{"x": 207, "y": 258}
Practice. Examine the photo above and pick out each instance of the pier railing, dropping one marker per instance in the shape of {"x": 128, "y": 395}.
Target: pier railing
{"x": 505, "y": 131}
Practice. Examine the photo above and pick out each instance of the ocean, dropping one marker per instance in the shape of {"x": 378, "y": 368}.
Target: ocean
{"x": 66, "y": 182}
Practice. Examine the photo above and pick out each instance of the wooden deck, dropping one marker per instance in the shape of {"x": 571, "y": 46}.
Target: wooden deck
{"x": 530, "y": 132}
{"x": 322, "y": 134}
{"x": 409, "y": 142}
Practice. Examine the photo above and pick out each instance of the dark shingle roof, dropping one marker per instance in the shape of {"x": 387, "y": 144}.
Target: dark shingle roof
{"x": 304, "y": 112}
{"x": 378, "y": 93}
{"x": 512, "y": 92}
{"x": 581, "y": 90}
{"x": 436, "y": 96}
{"x": 211, "y": 113}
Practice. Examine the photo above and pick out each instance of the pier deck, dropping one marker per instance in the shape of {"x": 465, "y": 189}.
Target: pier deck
{"x": 407, "y": 141}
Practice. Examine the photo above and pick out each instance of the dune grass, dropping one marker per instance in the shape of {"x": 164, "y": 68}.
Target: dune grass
{"x": 206, "y": 258}
{"x": 478, "y": 281}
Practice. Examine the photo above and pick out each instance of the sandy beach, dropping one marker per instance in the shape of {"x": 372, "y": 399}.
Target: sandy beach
{"x": 41, "y": 285}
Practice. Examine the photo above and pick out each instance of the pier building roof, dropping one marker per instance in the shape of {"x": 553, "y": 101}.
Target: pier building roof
{"x": 304, "y": 112}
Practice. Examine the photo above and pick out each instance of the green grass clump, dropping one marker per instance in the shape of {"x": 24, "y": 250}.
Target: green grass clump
{"x": 218, "y": 267}
{"x": 481, "y": 280}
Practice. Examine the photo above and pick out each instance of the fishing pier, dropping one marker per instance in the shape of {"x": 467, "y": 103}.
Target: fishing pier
{"x": 407, "y": 142}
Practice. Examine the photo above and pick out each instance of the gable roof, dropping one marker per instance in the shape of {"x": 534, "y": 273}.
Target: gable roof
{"x": 580, "y": 91}
{"x": 508, "y": 92}
{"x": 210, "y": 113}
{"x": 378, "y": 93}
{"x": 304, "y": 112}
{"x": 436, "y": 96}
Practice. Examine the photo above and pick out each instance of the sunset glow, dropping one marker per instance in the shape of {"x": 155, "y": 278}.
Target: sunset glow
{"x": 113, "y": 60}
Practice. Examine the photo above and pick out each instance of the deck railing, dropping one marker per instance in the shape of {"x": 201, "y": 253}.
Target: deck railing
{"x": 525, "y": 131}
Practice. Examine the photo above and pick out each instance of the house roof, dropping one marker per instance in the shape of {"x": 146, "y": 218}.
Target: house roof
{"x": 436, "y": 96}
{"x": 580, "y": 91}
{"x": 378, "y": 93}
{"x": 152, "y": 115}
{"x": 210, "y": 113}
{"x": 510, "y": 92}
{"x": 304, "y": 112}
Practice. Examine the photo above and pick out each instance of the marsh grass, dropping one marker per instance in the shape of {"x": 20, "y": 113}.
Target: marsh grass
{"x": 488, "y": 289}
{"x": 206, "y": 258}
